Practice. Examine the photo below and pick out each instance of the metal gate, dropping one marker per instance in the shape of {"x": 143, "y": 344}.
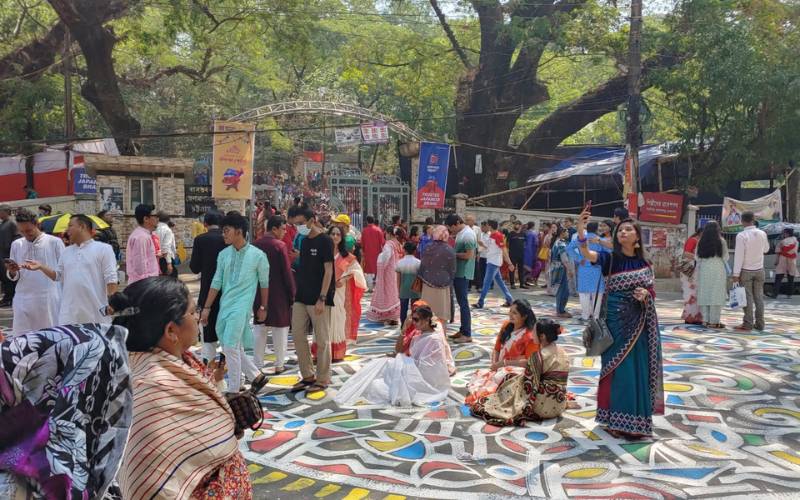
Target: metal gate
{"x": 358, "y": 195}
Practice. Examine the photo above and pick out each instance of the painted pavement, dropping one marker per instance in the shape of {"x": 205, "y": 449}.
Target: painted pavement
{"x": 732, "y": 426}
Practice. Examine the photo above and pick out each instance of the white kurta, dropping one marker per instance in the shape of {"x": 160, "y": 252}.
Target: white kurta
{"x": 38, "y": 298}
{"x": 167, "y": 240}
{"x": 418, "y": 379}
{"x": 84, "y": 271}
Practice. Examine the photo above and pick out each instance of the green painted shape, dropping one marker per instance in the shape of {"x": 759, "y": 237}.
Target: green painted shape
{"x": 744, "y": 383}
{"x": 754, "y": 439}
{"x": 355, "y": 424}
{"x": 639, "y": 450}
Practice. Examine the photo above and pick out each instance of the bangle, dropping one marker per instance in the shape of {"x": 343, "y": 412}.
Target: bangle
{"x": 581, "y": 240}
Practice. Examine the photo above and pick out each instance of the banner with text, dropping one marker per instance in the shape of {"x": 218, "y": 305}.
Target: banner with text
{"x": 434, "y": 159}
{"x": 347, "y": 136}
{"x": 375, "y": 132}
{"x": 767, "y": 209}
{"x": 232, "y": 164}
{"x": 662, "y": 207}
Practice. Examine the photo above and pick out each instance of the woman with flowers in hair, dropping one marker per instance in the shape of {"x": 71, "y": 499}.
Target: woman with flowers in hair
{"x": 539, "y": 392}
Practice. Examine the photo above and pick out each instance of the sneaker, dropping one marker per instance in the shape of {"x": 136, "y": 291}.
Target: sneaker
{"x": 477, "y": 306}
{"x": 563, "y": 315}
{"x": 463, "y": 340}
{"x": 743, "y": 328}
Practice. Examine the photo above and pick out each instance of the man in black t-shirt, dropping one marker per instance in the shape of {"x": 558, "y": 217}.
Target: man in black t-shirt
{"x": 313, "y": 303}
{"x": 516, "y": 252}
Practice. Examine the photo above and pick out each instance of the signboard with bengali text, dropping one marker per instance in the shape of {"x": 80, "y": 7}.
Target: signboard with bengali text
{"x": 232, "y": 164}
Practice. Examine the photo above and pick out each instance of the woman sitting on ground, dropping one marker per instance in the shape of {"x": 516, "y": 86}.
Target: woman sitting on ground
{"x": 418, "y": 378}
{"x": 184, "y": 444}
{"x": 514, "y": 345}
{"x": 539, "y": 393}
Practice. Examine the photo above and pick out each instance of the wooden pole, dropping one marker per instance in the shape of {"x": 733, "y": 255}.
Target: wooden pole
{"x": 524, "y": 205}
{"x": 634, "y": 129}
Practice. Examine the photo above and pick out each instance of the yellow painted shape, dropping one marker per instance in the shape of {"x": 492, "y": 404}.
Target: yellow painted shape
{"x": 587, "y": 414}
{"x": 337, "y": 418}
{"x": 786, "y": 456}
{"x": 591, "y": 435}
{"x": 258, "y": 433}
{"x": 357, "y": 494}
{"x": 706, "y": 449}
{"x": 672, "y": 387}
{"x": 394, "y": 497}
{"x": 783, "y": 411}
{"x": 588, "y": 362}
{"x": 316, "y": 395}
{"x": 464, "y": 354}
{"x": 272, "y": 477}
{"x": 351, "y": 357}
{"x": 284, "y": 380}
{"x": 327, "y": 490}
{"x": 269, "y": 357}
{"x": 398, "y": 440}
{"x": 587, "y": 473}
{"x": 300, "y": 484}
{"x": 253, "y": 468}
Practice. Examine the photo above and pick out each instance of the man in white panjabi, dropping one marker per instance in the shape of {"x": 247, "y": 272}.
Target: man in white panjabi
{"x": 87, "y": 271}
{"x": 37, "y": 298}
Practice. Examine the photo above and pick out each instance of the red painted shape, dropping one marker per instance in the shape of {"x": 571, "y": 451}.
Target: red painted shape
{"x": 559, "y": 449}
{"x": 435, "y": 465}
{"x": 270, "y": 443}
{"x": 718, "y": 399}
{"x": 511, "y": 445}
{"x": 490, "y": 429}
{"x": 753, "y": 366}
{"x": 702, "y": 418}
{"x": 435, "y": 438}
{"x": 519, "y": 482}
{"x": 715, "y": 380}
{"x": 323, "y": 433}
{"x": 437, "y": 414}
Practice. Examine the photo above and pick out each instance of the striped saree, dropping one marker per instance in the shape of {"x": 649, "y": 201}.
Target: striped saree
{"x": 182, "y": 433}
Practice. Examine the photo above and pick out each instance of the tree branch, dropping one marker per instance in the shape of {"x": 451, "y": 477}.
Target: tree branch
{"x": 572, "y": 117}
{"x": 217, "y": 22}
{"x": 197, "y": 75}
{"x": 32, "y": 60}
{"x": 450, "y": 35}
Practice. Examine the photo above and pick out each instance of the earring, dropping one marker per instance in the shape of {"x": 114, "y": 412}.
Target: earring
{"x": 636, "y": 245}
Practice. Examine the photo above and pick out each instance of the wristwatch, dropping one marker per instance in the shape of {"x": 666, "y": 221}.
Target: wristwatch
{"x": 321, "y": 298}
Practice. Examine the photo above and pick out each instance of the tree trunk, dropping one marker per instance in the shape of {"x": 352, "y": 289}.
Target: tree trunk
{"x": 85, "y": 20}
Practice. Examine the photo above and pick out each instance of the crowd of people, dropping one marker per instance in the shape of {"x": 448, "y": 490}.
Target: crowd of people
{"x": 305, "y": 275}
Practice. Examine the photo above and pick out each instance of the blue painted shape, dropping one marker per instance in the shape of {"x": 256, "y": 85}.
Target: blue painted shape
{"x": 678, "y": 368}
{"x": 294, "y": 424}
{"x": 413, "y": 452}
{"x": 578, "y": 389}
{"x": 691, "y": 473}
{"x": 690, "y": 355}
{"x": 719, "y": 436}
{"x": 536, "y": 436}
{"x": 590, "y": 373}
{"x": 674, "y": 400}
{"x": 506, "y": 471}
{"x": 465, "y": 412}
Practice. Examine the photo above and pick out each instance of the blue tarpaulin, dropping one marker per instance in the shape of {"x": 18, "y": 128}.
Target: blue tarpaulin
{"x": 600, "y": 161}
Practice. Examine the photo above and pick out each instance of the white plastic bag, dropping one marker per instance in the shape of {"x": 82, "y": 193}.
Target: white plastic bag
{"x": 737, "y": 298}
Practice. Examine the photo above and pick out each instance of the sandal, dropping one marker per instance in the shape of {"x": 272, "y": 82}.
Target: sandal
{"x": 301, "y": 386}
{"x": 316, "y": 387}
{"x": 278, "y": 371}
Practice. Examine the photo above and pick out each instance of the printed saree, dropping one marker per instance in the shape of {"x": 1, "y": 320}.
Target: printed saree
{"x": 540, "y": 392}
{"x": 65, "y": 410}
{"x": 631, "y": 388}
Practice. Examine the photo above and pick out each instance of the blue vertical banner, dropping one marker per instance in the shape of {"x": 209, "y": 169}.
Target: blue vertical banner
{"x": 434, "y": 159}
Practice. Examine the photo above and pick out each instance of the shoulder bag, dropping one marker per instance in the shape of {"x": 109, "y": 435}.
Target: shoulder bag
{"x": 246, "y": 407}
{"x": 597, "y": 337}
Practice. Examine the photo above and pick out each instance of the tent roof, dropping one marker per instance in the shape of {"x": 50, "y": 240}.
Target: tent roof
{"x": 601, "y": 161}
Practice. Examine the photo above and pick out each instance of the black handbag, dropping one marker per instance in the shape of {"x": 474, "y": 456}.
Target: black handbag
{"x": 246, "y": 407}
{"x": 597, "y": 337}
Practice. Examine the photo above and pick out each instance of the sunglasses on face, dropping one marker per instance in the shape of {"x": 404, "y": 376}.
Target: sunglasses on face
{"x": 416, "y": 318}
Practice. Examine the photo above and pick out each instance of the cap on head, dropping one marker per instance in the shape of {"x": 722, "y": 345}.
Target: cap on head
{"x": 342, "y": 219}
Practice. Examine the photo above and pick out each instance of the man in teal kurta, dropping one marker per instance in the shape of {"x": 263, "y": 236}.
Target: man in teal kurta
{"x": 241, "y": 268}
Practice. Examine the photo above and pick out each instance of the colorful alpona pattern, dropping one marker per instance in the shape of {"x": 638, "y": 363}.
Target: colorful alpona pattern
{"x": 732, "y": 425}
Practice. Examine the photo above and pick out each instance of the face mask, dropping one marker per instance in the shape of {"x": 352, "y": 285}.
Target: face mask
{"x": 303, "y": 230}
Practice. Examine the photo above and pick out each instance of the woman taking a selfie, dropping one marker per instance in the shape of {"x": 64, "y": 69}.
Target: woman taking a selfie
{"x": 631, "y": 386}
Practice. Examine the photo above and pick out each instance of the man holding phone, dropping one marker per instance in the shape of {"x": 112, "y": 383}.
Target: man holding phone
{"x": 37, "y": 298}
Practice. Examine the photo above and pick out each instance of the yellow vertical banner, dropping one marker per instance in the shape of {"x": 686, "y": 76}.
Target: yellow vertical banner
{"x": 234, "y": 147}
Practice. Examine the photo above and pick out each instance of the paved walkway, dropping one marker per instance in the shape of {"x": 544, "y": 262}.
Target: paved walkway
{"x": 732, "y": 426}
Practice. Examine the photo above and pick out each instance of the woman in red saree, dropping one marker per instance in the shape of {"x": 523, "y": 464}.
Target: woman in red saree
{"x": 350, "y": 286}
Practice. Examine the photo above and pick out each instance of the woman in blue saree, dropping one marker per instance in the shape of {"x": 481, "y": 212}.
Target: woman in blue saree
{"x": 631, "y": 388}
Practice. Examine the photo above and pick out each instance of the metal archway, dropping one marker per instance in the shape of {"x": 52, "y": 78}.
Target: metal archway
{"x": 327, "y": 108}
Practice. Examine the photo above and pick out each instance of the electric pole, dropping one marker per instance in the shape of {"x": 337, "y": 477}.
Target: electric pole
{"x": 633, "y": 125}
{"x": 69, "y": 123}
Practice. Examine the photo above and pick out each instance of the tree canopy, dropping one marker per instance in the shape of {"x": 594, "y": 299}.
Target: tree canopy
{"x": 509, "y": 79}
